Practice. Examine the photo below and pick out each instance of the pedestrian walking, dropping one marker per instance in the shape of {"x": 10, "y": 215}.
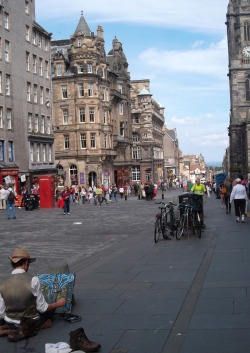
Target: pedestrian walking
{"x": 227, "y": 193}
{"x": 121, "y": 191}
{"x": 10, "y": 202}
{"x": 239, "y": 196}
{"x": 66, "y": 198}
{"x": 2, "y": 198}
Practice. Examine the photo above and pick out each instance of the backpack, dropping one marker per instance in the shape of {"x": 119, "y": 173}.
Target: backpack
{"x": 11, "y": 196}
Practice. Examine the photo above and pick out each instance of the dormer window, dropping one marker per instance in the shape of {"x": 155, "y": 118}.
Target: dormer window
{"x": 90, "y": 68}
{"x": 79, "y": 42}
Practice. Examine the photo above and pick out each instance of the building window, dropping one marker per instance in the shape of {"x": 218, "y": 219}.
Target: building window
{"x": 48, "y": 125}
{"x": 34, "y": 64}
{"x": 79, "y": 42}
{"x": 27, "y": 33}
{"x": 27, "y": 7}
{"x": 6, "y": 19}
{"x": 105, "y": 141}
{"x": 66, "y": 142}
{"x": 27, "y": 61}
{"x": 59, "y": 69}
{"x": 65, "y": 116}
{"x": 82, "y": 115}
{"x": 136, "y": 119}
{"x": 135, "y": 137}
{"x": 103, "y": 72}
{"x": 136, "y": 175}
{"x": 64, "y": 92}
{"x": 1, "y": 82}
{"x": 7, "y": 85}
{"x": 119, "y": 88}
{"x": 46, "y": 69}
{"x": 9, "y": 119}
{"x": 80, "y": 69}
{"x": 120, "y": 108}
{"x": 40, "y": 67}
{"x": 89, "y": 68}
{"x": 50, "y": 153}
{"x": 41, "y": 95}
{"x": 35, "y": 94}
{"x": 39, "y": 40}
{"x": 1, "y": 151}
{"x": 34, "y": 37}
{"x": 38, "y": 147}
{"x": 44, "y": 153}
{"x": 93, "y": 140}
{"x": 247, "y": 88}
{"x": 7, "y": 50}
{"x": 91, "y": 115}
{"x": 29, "y": 122}
{"x": 46, "y": 44}
{"x": 105, "y": 117}
{"x": 1, "y": 117}
{"x": 246, "y": 31}
{"x": 90, "y": 90}
{"x": 73, "y": 174}
{"x": 10, "y": 151}
{"x": 36, "y": 123}
{"x": 83, "y": 141}
{"x": 42, "y": 124}
{"x": 135, "y": 152}
{"x": 28, "y": 91}
{"x": 32, "y": 152}
{"x": 122, "y": 129}
{"x": 80, "y": 90}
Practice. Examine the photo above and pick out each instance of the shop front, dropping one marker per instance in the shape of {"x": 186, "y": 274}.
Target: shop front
{"x": 9, "y": 176}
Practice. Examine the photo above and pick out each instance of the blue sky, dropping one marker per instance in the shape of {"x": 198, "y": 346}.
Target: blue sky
{"x": 180, "y": 45}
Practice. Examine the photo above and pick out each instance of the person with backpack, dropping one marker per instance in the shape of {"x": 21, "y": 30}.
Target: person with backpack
{"x": 10, "y": 202}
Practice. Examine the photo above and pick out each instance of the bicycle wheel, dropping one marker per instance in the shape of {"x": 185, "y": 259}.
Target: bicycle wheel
{"x": 166, "y": 231}
{"x": 198, "y": 226}
{"x": 182, "y": 226}
{"x": 158, "y": 231}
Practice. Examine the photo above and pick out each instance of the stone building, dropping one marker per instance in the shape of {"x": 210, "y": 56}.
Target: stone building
{"x": 91, "y": 109}
{"x": 238, "y": 31}
{"x": 147, "y": 134}
{"x": 172, "y": 155}
{"x": 26, "y": 136}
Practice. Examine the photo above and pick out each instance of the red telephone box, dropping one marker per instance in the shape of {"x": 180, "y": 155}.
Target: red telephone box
{"x": 47, "y": 191}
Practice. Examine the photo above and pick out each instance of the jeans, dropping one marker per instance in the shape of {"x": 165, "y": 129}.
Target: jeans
{"x": 66, "y": 206}
{"x": 9, "y": 205}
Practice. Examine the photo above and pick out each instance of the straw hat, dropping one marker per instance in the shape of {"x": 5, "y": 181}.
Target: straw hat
{"x": 238, "y": 180}
{"x": 19, "y": 254}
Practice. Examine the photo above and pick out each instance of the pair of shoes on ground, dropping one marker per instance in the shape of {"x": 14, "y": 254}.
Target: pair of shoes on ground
{"x": 240, "y": 220}
{"x": 79, "y": 341}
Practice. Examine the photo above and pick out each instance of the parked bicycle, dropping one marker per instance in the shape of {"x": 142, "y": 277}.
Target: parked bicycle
{"x": 190, "y": 219}
{"x": 167, "y": 223}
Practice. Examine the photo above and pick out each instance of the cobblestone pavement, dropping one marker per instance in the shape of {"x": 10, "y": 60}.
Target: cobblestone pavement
{"x": 133, "y": 295}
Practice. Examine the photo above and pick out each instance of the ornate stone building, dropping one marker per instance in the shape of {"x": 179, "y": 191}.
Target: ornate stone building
{"x": 91, "y": 108}
{"x": 98, "y": 140}
{"x": 238, "y": 30}
{"x": 26, "y": 136}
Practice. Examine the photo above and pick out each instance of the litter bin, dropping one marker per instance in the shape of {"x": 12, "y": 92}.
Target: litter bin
{"x": 191, "y": 199}
{"x": 31, "y": 202}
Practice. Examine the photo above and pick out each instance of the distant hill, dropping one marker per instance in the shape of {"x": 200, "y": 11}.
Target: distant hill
{"x": 214, "y": 164}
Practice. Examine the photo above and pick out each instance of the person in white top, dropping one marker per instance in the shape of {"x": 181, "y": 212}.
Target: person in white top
{"x": 2, "y": 198}
{"x": 239, "y": 196}
{"x": 23, "y": 308}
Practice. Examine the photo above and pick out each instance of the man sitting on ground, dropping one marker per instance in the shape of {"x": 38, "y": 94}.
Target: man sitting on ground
{"x": 23, "y": 309}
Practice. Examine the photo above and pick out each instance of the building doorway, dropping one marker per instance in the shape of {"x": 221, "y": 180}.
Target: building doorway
{"x": 92, "y": 179}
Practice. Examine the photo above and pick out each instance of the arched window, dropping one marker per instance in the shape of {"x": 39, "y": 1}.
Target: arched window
{"x": 73, "y": 174}
{"x": 247, "y": 88}
{"x": 247, "y": 31}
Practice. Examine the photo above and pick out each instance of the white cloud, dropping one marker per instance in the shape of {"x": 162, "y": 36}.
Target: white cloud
{"x": 184, "y": 121}
{"x": 205, "y": 15}
{"x": 208, "y": 61}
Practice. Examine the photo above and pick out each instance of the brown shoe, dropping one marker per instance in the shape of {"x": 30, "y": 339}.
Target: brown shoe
{"x": 47, "y": 324}
{"x": 26, "y": 329}
{"x": 79, "y": 340}
{"x": 5, "y": 330}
